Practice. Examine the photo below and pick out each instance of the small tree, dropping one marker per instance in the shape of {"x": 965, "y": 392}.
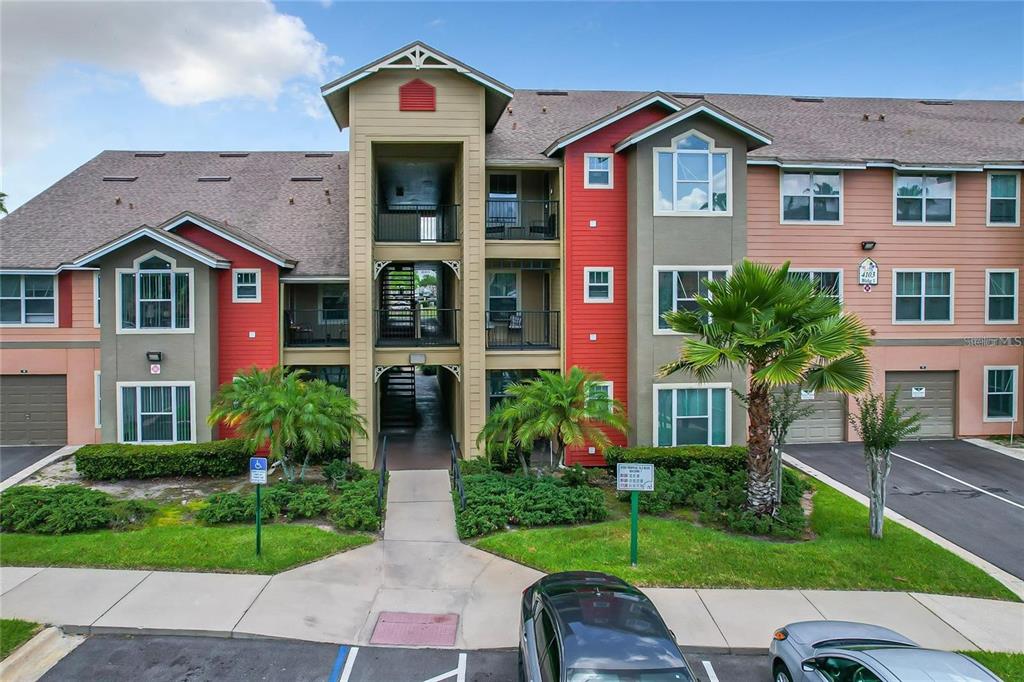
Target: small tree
{"x": 282, "y": 411}
{"x": 881, "y": 424}
{"x": 786, "y": 408}
{"x": 498, "y": 436}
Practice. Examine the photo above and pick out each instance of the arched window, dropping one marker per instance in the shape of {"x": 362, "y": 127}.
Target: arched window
{"x": 692, "y": 177}
{"x": 154, "y": 295}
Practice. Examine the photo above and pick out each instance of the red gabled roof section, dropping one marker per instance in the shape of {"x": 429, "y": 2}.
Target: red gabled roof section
{"x": 417, "y": 95}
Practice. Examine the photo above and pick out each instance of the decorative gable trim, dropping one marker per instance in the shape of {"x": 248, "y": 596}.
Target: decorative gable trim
{"x": 659, "y": 98}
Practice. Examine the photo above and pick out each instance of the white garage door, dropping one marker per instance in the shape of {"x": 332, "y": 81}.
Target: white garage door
{"x": 827, "y": 424}
{"x": 933, "y": 394}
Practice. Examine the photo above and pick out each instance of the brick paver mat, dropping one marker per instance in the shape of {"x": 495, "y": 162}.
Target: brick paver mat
{"x": 415, "y": 629}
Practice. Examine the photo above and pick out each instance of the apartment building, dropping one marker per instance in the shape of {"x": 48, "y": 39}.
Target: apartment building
{"x": 491, "y": 232}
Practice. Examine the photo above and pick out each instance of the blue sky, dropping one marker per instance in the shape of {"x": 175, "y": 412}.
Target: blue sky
{"x": 232, "y": 76}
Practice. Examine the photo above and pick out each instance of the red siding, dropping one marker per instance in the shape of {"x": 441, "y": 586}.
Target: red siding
{"x": 417, "y": 95}
{"x": 64, "y": 299}
{"x": 601, "y": 246}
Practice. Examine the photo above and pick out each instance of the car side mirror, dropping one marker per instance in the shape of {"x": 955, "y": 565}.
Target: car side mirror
{"x": 810, "y": 665}
{"x": 674, "y": 638}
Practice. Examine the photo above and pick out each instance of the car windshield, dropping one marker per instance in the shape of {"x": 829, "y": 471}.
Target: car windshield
{"x": 662, "y": 675}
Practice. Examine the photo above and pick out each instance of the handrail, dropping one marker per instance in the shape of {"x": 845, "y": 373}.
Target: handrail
{"x": 457, "y": 473}
{"x": 382, "y": 450}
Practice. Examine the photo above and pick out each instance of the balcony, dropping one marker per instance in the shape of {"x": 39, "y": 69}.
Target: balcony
{"x": 417, "y": 326}
{"x": 421, "y": 223}
{"x": 522, "y": 330}
{"x": 522, "y": 219}
{"x": 316, "y": 328}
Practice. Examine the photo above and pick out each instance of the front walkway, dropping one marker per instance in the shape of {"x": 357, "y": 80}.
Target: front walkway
{"x": 420, "y": 566}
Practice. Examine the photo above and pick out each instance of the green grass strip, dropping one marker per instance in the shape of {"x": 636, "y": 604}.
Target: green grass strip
{"x": 14, "y": 633}
{"x": 1007, "y": 666}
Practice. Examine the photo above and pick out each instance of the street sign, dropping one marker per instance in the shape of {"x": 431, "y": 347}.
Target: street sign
{"x": 258, "y": 470}
{"x": 630, "y": 476}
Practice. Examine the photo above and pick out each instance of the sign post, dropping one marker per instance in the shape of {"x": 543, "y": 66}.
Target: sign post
{"x": 635, "y": 478}
{"x": 258, "y": 475}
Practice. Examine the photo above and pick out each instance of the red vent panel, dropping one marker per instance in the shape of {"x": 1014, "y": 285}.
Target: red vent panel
{"x": 417, "y": 95}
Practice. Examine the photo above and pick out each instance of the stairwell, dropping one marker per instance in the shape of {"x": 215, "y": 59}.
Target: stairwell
{"x": 398, "y": 398}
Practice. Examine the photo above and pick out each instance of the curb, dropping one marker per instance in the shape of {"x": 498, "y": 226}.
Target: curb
{"x": 1016, "y": 453}
{"x": 61, "y": 454}
{"x": 34, "y": 658}
{"x": 1011, "y": 582}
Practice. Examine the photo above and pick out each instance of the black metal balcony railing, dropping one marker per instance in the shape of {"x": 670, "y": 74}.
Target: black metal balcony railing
{"x": 522, "y": 219}
{"x": 418, "y": 326}
{"x": 421, "y": 223}
{"x": 522, "y": 329}
{"x": 316, "y": 327}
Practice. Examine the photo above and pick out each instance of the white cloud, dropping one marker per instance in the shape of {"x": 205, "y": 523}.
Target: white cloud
{"x": 181, "y": 53}
{"x": 436, "y": 23}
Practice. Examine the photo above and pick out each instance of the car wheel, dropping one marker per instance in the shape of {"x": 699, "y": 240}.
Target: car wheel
{"x": 780, "y": 673}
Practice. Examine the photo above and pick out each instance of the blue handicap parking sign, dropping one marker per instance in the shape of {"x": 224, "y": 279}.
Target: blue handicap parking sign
{"x": 257, "y": 464}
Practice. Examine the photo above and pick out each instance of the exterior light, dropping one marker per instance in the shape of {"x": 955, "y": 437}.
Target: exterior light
{"x": 868, "y": 245}
{"x": 154, "y": 356}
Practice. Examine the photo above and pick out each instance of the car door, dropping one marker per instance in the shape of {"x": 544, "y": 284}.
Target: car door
{"x": 548, "y": 654}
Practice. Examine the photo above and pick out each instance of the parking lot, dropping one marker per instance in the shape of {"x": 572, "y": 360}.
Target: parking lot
{"x": 172, "y": 659}
{"x": 972, "y": 496}
{"x": 14, "y": 458}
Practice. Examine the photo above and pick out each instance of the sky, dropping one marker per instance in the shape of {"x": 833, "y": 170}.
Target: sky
{"x": 80, "y": 77}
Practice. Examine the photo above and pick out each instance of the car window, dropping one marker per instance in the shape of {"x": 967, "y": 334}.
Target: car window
{"x": 547, "y": 648}
{"x": 839, "y": 669}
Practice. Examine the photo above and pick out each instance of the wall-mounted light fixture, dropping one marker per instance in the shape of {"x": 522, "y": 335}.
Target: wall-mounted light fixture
{"x": 154, "y": 356}
{"x": 868, "y": 246}
{"x": 417, "y": 358}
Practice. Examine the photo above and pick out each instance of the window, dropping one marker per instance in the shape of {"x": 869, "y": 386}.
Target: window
{"x": 1001, "y": 296}
{"x": 598, "y": 285}
{"x": 812, "y": 197}
{"x": 691, "y": 414}
{"x": 28, "y": 300}
{"x": 503, "y": 199}
{"x": 598, "y": 171}
{"x": 335, "y": 375}
{"x": 97, "y": 398}
{"x": 826, "y": 281}
{"x": 603, "y": 390}
{"x": 921, "y": 296}
{"x": 692, "y": 177}
{"x": 154, "y": 296}
{"x": 502, "y": 296}
{"x": 924, "y": 198}
{"x": 156, "y": 413}
{"x": 1004, "y": 199}
{"x": 246, "y": 286}
{"x": 677, "y": 289}
{"x": 499, "y": 380}
{"x": 96, "y": 299}
{"x": 333, "y": 303}
{"x": 1000, "y": 394}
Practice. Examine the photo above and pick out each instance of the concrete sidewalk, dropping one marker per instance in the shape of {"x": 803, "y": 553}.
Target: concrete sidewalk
{"x": 420, "y": 566}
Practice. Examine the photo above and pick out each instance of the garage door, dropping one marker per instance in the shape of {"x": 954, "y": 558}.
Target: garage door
{"x": 935, "y": 399}
{"x": 827, "y": 424}
{"x": 33, "y": 410}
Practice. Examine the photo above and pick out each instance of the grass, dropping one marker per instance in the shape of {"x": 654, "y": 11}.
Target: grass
{"x": 14, "y": 633}
{"x": 181, "y": 547}
{"x": 1007, "y": 666}
{"x": 677, "y": 553}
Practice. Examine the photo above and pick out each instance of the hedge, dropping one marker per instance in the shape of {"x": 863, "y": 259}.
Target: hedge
{"x": 730, "y": 458}
{"x": 67, "y": 509}
{"x": 120, "y": 461}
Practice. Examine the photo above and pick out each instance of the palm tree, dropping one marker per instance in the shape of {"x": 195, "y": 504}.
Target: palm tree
{"x": 283, "y": 410}
{"x": 568, "y": 410}
{"x": 782, "y": 331}
{"x": 3, "y": 203}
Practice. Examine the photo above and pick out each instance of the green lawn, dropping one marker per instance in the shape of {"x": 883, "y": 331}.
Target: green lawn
{"x": 180, "y": 547}
{"x": 676, "y": 553}
{"x": 1010, "y": 667}
{"x": 14, "y": 633}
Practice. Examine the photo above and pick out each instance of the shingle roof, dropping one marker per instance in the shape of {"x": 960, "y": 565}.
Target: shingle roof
{"x": 962, "y": 132}
{"x": 296, "y": 218}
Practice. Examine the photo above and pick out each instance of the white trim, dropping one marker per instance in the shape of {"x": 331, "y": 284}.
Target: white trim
{"x": 22, "y": 298}
{"x": 586, "y": 170}
{"x": 806, "y": 165}
{"x": 911, "y": 169}
{"x": 1016, "y": 294}
{"x": 610, "y": 385}
{"x": 227, "y": 236}
{"x": 952, "y": 293}
{"x": 320, "y": 305}
{"x": 313, "y": 279}
{"x": 672, "y": 387}
{"x": 156, "y": 235}
{"x": 838, "y": 271}
{"x": 611, "y": 285}
{"x": 812, "y": 172}
{"x": 658, "y": 269}
{"x": 923, "y": 222}
{"x": 234, "y": 285}
{"x": 487, "y": 289}
{"x": 96, "y": 299}
{"x": 174, "y": 411}
{"x": 1003, "y": 166}
{"x": 97, "y": 399}
{"x": 619, "y": 115}
{"x": 174, "y": 269}
{"x": 670, "y": 121}
{"x": 712, "y": 150}
{"x": 1013, "y": 394}
{"x": 989, "y": 197}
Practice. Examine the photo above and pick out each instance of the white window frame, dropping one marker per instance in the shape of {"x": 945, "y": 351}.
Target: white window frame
{"x": 320, "y": 303}
{"x": 1013, "y": 395}
{"x": 56, "y": 302}
{"x": 611, "y": 285}
{"x": 587, "y": 184}
{"x": 712, "y": 149}
{"x": 952, "y": 296}
{"x": 190, "y": 329}
{"x": 812, "y": 173}
{"x": 989, "y": 197}
{"x": 672, "y": 387}
{"x": 174, "y": 411}
{"x": 234, "y": 285}
{"x": 814, "y": 271}
{"x": 97, "y": 398}
{"x": 487, "y": 291}
{"x": 658, "y": 269}
{"x": 1016, "y": 294}
{"x": 96, "y": 299}
{"x": 923, "y": 222}
{"x": 610, "y": 385}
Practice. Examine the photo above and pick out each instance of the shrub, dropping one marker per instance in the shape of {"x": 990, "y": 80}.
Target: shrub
{"x": 120, "y": 461}
{"x": 224, "y": 508}
{"x": 66, "y": 509}
{"x": 355, "y": 507}
{"x": 340, "y": 471}
{"x": 731, "y": 458}
{"x": 477, "y": 465}
{"x": 575, "y": 475}
{"x": 126, "y": 514}
{"x": 310, "y": 502}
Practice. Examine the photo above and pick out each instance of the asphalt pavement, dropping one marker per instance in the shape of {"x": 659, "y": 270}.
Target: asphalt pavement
{"x": 972, "y": 496}
{"x": 14, "y": 458}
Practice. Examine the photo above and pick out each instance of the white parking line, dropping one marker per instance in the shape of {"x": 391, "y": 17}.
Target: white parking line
{"x": 459, "y": 673}
{"x": 350, "y": 663}
{"x": 954, "y": 478}
{"x": 710, "y": 670}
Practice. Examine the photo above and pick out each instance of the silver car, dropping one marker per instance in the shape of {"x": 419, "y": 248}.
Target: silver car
{"x": 839, "y": 651}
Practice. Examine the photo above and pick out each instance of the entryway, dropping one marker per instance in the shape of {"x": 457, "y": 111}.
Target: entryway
{"x": 414, "y": 412}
